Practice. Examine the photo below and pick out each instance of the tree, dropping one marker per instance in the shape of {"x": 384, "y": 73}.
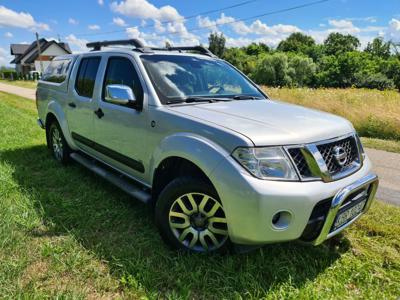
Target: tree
{"x": 256, "y": 49}
{"x": 337, "y": 43}
{"x": 296, "y": 42}
{"x": 272, "y": 70}
{"x": 340, "y": 70}
{"x": 217, "y": 43}
{"x": 391, "y": 68}
{"x": 301, "y": 70}
{"x": 378, "y": 47}
{"x": 239, "y": 58}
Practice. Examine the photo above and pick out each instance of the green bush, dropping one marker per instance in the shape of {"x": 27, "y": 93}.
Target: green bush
{"x": 373, "y": 81}
{"x": 8, "y": 74}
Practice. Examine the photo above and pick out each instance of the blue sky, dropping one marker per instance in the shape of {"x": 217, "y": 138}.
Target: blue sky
{"x": 156, "y": 21}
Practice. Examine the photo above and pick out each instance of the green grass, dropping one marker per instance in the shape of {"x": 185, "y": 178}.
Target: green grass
{"x": 387, "y": 145}
{"x": 66, "y": 233}
{"x": 21, "y": 83}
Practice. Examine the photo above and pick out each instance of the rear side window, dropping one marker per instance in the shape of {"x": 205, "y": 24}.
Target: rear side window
{"x": 57, "y": 71}
{"x": 86, "y": 78}
{"x": 120, "y": 70}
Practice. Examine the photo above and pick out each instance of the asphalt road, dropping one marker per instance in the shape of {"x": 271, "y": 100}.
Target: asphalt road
{"x": 386, "y": 164}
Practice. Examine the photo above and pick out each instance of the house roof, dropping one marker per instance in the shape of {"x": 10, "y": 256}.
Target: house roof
{"x": 35, "y": 54}
{"x": 44, "y": 44}
{"x": 18, "y": 49}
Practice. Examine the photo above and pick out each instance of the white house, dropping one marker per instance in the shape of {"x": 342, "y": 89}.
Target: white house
{"x": 27, "y": 56}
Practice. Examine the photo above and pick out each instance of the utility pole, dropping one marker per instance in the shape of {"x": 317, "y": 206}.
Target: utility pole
{"x": 40, "y": 53}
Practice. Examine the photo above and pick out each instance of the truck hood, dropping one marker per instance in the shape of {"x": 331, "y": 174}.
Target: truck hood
{"x": 268, "y": 123}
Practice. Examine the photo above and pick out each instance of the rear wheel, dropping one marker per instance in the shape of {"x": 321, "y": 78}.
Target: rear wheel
{"x": 190, "y": 216}
{"x": 57, "y": 143}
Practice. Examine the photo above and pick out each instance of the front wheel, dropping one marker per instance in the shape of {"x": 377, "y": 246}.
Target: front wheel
{"x": 190, "y": 216}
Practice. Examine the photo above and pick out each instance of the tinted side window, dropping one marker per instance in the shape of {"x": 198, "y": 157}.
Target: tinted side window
{"x": 57, "y": 71}
{"x": 86, "y": 77}
{"x": 120, "y": 70}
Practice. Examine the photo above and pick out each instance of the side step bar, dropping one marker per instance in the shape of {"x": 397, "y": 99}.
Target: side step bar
{"x": 124, "y": 184}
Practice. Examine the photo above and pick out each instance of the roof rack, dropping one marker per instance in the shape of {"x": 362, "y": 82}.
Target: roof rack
{"x": 97, "y": 45}
{"x": 199, "y": 49}
{"x": 139, "y": 46}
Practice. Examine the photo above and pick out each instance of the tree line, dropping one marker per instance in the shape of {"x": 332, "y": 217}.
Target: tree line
{"x": 299, "y": 61}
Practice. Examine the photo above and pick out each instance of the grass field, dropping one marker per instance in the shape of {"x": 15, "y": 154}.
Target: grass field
{"x": 68, "y": 234}
{"x": 374, "y": 114}
{"x": 21, "y": 83}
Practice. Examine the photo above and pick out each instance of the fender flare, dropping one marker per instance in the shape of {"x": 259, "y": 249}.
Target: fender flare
{"x": 202, "y": 152}
{"x": 56, "y": 109}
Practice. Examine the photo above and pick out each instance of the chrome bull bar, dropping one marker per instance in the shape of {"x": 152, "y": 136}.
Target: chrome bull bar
{"x": 371, "y": 182}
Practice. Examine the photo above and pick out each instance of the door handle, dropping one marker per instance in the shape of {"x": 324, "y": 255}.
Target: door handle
{"x": 72, "y": 104}
{"x": 99, "y": 113}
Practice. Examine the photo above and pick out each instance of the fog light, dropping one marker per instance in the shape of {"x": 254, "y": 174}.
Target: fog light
{"x": 281, "y": 220}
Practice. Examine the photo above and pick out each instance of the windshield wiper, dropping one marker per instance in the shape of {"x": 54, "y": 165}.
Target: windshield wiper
{"x": 197, "y": 99}
{"x": 245, "y": 97}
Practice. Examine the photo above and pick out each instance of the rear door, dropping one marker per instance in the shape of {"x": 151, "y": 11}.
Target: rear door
{"x": 80, "y": 106}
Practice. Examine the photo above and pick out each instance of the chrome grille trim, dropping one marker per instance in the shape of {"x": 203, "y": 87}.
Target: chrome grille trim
{"x": 318, "y": 168}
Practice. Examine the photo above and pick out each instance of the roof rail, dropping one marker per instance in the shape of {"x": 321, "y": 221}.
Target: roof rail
{"x": 199, "y": 49}
{"x": 97, "y": 45}
{"x": 139, "y": 46}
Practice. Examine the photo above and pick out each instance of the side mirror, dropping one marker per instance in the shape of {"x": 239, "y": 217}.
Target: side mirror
{"x": 119, "y": 94}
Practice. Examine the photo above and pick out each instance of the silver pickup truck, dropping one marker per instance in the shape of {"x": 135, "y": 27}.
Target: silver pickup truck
{"x": 221, "y": 163}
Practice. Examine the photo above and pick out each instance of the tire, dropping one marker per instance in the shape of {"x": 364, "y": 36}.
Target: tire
{"x": 189, "y": 216}
{"x": 57, "y": 143}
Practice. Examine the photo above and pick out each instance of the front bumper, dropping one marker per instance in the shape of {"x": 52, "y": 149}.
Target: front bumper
{"x": 369, "y": 182}
{"x": 250, "y": 204}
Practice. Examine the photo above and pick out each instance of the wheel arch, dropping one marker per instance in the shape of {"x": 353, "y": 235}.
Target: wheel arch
{"x": 184, "y": 154}
{"x": 56, "y": 113}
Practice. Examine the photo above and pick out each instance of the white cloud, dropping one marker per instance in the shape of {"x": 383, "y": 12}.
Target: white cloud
{"x": 241, "y": 28}
{"x": 94, "y": 27}
{"x": 343, "y": 26}
{"x": 11, "y": 18}
{"x": 159, "y": 27}
{"x": 154, "y": 39}
{"x": 393, "y": 31}
{"x": 206, "y": 22}
{"x": 5, "y": 57}
{"x": 119, "y": 22}
{"x": 100, "y": 2}
{"x": 145, "y": 10}
{"x": 175, "y": 26}
{"x": 73, "y": 21}
{"x": 8, "y": 35}
{"x": 370, "y": 19}
{"x": 79, "y": 45}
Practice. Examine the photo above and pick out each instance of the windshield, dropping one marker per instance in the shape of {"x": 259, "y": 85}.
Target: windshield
{"x": 176, "y": 77}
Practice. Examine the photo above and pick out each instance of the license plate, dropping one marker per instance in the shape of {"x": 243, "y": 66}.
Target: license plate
{"x": 348, "y": 214}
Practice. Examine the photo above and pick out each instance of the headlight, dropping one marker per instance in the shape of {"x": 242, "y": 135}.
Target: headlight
{"x": 266, "y": 163}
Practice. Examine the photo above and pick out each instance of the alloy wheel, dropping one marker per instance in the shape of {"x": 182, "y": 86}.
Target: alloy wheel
{"x": 198, "y": 222}
{"x": 57, "y": 144}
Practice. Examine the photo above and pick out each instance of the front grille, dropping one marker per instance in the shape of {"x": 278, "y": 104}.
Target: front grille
{"x": 300, "y": 162}
{"x": 326, "y": 150}
{"x": 349, "y": 144}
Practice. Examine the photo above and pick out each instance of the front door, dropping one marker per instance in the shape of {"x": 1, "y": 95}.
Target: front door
{"x": 80, "y": 106}
{"x": 120, "y": 131}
